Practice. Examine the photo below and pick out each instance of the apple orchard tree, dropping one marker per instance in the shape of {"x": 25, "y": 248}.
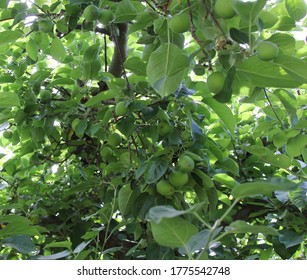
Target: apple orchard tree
{"x": 157, "y": 129}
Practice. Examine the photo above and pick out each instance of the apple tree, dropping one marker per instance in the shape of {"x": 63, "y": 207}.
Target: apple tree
{"x": 155, "y": 129}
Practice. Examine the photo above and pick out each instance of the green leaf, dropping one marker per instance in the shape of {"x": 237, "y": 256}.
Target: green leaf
{"x": 9, "y": 36}
{"x": 248, "y": 9}
{"x": 225, "y": 94}
{"x": 224, "y": 179}
{"x": 136, "y": 65}
{"x": 243, "y": 227}
{"x": 126, "y": 200}
{"x": 9, "y": 99}
{"x": 285, "y": 42}
{"x": 14, "y": 219}
{"x": 19, "y": 229}
{"x": 290, "y": 238}
{"x": 125, "y": 12}
{"x": 91, "y": 53}
{"x": 166, "y": 68}
{"x": 157, "y": 213}
{"x": 3, "y": 4}
{"x": 60, "y": 244}
{"x": 269, "y": 74}
{"x": 91, "y": 69}
{"x": 56, "y": 256}
{"x": 223, "y": 112}
{"x": 156, "y": 168}
{"x": 32, "y": 49}
{"x": 228, "y": 165}
{"x": 296, "y": 145}
{"x": 105, "y": 95}
{"x": 174, "y": 232}
{"x": 22, "y": 243}
{"x": 297, "y": 9}
{"x": 299, "y": 196}
{"x": 258, "y": 188}
{"x": 239, "y": 36}
{"x": 295, "y": 67}
{"x": 57, "y": 50}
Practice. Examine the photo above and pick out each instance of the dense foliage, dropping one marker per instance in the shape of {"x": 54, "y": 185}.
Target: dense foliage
{"x": 166, "y": 129}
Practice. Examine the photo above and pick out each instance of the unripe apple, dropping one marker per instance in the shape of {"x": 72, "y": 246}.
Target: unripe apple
{"x": 7, "y": 134}
{"x": 165, "y": 188}
{"x": 45, "y": 95}
{"x": 180, "y": 23}
{"x": 223, "y": 9}
{"x": 105, "y": 17}
{"x": 91, "y": 13}
{"x": 106, "y": 153}
{"x": 178, "y": 179}
{"x": 114, "y": 139}
{"x": 121, "y": 109}
{"x": 215, "y": 82}
{"x": 267, "y": 50}
{"x": 45, "y": 25}
{"x": 164, "y": 128}
{"x": 185, "y": 163}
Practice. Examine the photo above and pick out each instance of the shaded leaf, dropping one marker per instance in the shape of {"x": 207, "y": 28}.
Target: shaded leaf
{"x": 126, "y": 199}
{"x": 243, "y": 227}
{"x": 22, "y": 243}
{"x": 174, "y": 232}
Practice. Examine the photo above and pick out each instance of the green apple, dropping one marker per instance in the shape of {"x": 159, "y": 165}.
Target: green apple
{"x": 178, "y": 179}
{"x": 105, "y": 17}
{"x": 121, "y": 109}
{"x": 190, "y": 105}
{"x": 45, "y": 25}
{"x": 164, "y": 128}
{"x": 185, "y": 163}
{"x": 215, "y": 82}
{"x": 180, "y": 23}
{"x": 45, "y": 95}
{"x": 91, "y": 13}
{"x": 165, "y": 188}
{"x": 106, "y": 153}
{"x": 267, "y": 50}
{"x": 7, "y": 134}
{"x": 114, "y": 139}
{"x": 223, "y": 9}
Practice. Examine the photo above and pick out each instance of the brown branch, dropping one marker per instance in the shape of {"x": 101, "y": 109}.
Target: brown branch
{"x": 120, "y": 49}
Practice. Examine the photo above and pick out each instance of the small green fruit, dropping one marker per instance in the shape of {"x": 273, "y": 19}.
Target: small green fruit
{"x": 180, "y": 23}
{"x": 215, "y": 82}
{"x": 164, "y": 128}
{"x": 45, "y": 95}
{"x": 121, "y": 109}
{"x": 190, "y": 105}
{"x": 114, "y": 139}
{"x": 178, "y": 179}
{"x": 91, "y": 13}
{"x": 7, "y": 134}
{"x": 267, "y": 50}
{"x": 45, "y": 25}
{"x": 105, "y": 17}
{"x": 199, "y": 70}
{"x": 106, "y": 153}
{"x": 223, "y": 9}
{"x": 185, "y": 163}
{"x": 165, "y": 188}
